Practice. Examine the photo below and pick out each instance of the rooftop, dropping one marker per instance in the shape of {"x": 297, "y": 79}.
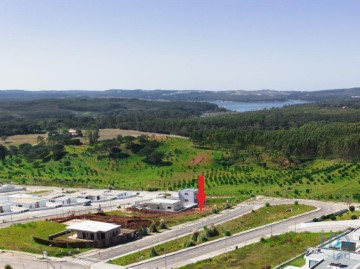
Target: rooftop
{"x": 189, "y": 189}
{"x": 26, "y": 200}
{"x": 164, "y": 201}
{"x": 93, "y": 226}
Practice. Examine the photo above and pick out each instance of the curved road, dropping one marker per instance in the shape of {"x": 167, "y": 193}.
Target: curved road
{"x": 181, "y": 230}
{"x": 222, "y": 245}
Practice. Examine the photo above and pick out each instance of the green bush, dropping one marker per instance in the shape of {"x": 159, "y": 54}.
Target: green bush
{"x": 189, "y": 244}
{"x": 153, "y": 253}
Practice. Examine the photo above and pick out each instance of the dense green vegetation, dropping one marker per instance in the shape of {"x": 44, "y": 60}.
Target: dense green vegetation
{"x": 308, "y": 151}
{"x": 38, "y": 116}
{"x": 121, "y": 164}
{"x": 297, "y": 133}
{"x": 272, "y": 251}
{"x": 263, "y": 216}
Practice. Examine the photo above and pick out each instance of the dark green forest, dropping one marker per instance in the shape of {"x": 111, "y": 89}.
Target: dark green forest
{"x": 301, "y": 132}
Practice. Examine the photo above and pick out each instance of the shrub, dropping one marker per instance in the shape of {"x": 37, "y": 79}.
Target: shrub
{"x": 214, "y": 210}
{"x": 153, "y": 252}
{"x": 189, "y": 244}
{"x": 227, "y": 233}
{"x": 153, "y": 228}
{"x": 202, "y": 238}
{"x": 296, "y": 203}
{"x": 163, "y": 224}
{"x": 195, "y": 235}
{"x": 353, "y": 217}
{"x": 267, "y": 204}
{"x": 142, "y": 232}
{"x": 352, "y": 208}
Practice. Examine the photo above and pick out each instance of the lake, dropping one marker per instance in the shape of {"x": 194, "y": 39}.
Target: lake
{"x": 253, "y": 106}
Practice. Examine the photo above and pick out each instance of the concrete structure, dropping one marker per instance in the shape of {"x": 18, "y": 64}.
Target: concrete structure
{"x": 341, "y": 253}
{"x": 102, "y": 234}
{"x": 188, "y": 195}
{"x": 11, "y": 188}
{"x": 163, "y": 204}
{"x": 97, "y": 195}
{"x": 64, "y": 200}
{"x": 5, "y": 207}
{"x": 74, "y": 132}
{"x": 95, "y": 230}
{"x": 30, "y": 203}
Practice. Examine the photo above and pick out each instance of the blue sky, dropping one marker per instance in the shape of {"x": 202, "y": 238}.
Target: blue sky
{"x": 179, "y": 44}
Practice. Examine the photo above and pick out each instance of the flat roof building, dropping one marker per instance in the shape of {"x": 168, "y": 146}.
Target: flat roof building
{"x": 101, "y": 233}
{"x": 342, "y": 252}
{"x": 163, "y": 204}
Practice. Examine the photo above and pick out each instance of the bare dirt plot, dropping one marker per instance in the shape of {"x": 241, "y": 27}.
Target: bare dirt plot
{"x": 113, "y": 133}
{"x": 200, "y": 159}
{"x": 104, "y": 135}
{"x": 21, "y": 139}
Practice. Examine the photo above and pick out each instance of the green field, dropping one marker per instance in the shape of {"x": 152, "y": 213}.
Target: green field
{"x": 272, "y": 251}
{"x": 317, "y": 179}
{"x": 263, "y": 216}
{"x": 19, "y": 237}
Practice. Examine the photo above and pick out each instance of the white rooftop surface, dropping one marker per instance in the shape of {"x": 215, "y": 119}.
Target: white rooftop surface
{"x": 93, "y": 226}
{"x": 164, "y": 201}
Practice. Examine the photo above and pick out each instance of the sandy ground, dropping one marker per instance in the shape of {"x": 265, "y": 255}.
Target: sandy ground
{"x": 104, "y": 135}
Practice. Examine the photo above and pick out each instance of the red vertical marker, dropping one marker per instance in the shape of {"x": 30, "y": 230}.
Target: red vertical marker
{"x": 201, "y": 192}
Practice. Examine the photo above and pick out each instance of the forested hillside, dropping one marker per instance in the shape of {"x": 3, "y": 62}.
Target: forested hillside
{"x": 301, "y": 132}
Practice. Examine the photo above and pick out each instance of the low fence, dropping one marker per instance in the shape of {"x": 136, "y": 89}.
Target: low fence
{"x": 62, "y": 244}
{"x": 52, "y": 236}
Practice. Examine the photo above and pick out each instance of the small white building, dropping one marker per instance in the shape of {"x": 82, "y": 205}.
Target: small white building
{"x": 163, "y": 204}
{"x": 95, "y": 230}
{"x": 30, "y": 203}
{"x": 11, "y": 188}
{"x": 64, "y": 200}
{"x": 74, "y": 132}
{"x": 5, "y": 207}
{"x": 188, "y": 196}
{"x": 97, "y": 195}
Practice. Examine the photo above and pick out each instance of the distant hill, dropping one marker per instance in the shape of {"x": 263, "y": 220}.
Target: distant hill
{"x": 179, "y": 95}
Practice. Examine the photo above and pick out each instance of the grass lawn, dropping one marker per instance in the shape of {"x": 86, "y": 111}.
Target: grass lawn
{"x": 19, "y": 237}
{"x": 299, "y": 262}
{"x": 275, "y": 250}
{"x": 264, "y": 215}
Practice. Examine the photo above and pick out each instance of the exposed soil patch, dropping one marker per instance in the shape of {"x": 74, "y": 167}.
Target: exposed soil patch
{"x": 199, "y": 159}
{"x": 133, "y": 223}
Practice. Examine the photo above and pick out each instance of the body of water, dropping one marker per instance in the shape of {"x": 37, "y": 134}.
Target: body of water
{"x": 253, "y": 106}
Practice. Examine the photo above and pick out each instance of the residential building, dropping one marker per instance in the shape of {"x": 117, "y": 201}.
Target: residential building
{"x": 163, "y": 204}
{"x": 101, "y": 233}
{"x": 188, "y": 196}
{"x": 5, "y": 207}
{"x": 343, "y": 252}
{"x": 30, "y": 203}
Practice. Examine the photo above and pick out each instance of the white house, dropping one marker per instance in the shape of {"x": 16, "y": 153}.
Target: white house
{"x": 11, "y": 188}
{"x": 94, "y": 230}
{"x": 5, "y": 207}
{"x": 64, "y": 200}
{"x": 30, "y": 203}
{"x": 163, "y": 204}
{"x": 188, "y": 195}
{"x": 74, "y": 132}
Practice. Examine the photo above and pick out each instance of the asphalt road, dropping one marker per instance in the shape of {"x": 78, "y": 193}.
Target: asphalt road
{"x": 93, "y": 258}
{"x": 223, "y": 245}
{"x": 179, "y": 231}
